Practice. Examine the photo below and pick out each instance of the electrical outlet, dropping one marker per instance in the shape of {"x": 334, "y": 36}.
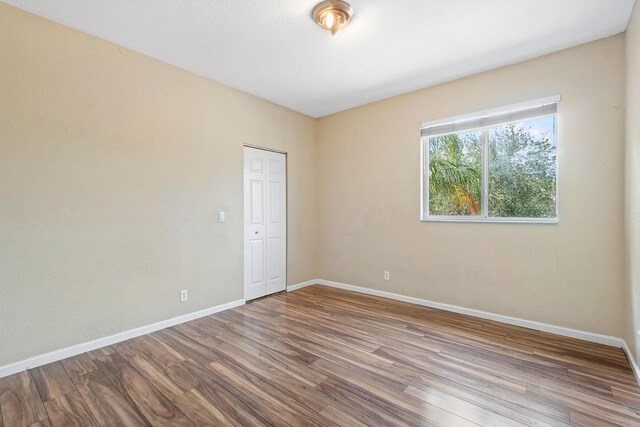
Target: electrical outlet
{"x": 184, "y": 295}
{"x": 387, "y": 276}
{"x": 221, "y": 216}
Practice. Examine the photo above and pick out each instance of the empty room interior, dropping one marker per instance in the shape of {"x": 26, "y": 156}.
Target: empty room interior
{"x": 319, "y": 213}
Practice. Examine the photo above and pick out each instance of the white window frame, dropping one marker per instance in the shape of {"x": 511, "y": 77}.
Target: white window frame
{"x": 463, "y": 122}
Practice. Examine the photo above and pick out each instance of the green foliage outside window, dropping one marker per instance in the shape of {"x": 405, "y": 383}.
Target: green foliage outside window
{"x": 521, "y": 171}
{"x": 455, "y": 174}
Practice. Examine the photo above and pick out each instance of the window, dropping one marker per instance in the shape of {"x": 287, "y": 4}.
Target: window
{"x": 499, "y": 166}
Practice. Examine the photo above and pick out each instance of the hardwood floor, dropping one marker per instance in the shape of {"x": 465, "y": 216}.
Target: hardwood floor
{"x": 326, "y": 357}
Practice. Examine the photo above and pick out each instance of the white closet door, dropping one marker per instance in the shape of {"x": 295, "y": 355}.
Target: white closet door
{"x": 265, "y": 238}
{"x": 276, "y": 222}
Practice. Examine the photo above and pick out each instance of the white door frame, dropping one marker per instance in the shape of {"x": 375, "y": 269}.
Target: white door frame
{"x": 286, "y": 211}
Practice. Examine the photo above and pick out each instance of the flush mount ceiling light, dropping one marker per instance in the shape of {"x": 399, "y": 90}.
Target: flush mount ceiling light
{"x": 332, "y": 15}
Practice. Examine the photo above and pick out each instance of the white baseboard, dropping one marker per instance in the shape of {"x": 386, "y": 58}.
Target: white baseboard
{"x": 632, "y": 361}
{"x": 559, "y": 330}
{"x": 292, "y": 288}
{"x": 74, "y": 350}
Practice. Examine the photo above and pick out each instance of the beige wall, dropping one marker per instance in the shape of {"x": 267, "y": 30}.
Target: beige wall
{"x": 112, "y": 169}
{"x": 114, "y": 165}
{"x": 632, "y": 157}
{"x": 570, "y": 274}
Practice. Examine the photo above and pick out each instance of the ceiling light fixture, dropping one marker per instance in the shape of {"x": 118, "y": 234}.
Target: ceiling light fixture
{"x": 332, "y": 15}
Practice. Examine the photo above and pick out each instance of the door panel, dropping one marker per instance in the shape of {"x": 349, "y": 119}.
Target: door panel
{"x": 257, "y": 257}
{"x": 274, "y": 267}
{"x": 275, "y": 216}
{"x": 264, "y": 222}
{"x": 257, "y": 202}
{"x": 257, "y": 165}
{"x": 276, "y": 223}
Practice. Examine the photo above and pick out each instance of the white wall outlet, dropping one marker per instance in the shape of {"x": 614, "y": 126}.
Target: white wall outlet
{"x": 221, "y": 216}
{"x": 184, "y": 295}
{"x": 387, "y": 276}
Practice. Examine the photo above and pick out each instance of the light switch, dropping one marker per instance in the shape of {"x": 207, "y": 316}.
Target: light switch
{"x": 221, "y": 216}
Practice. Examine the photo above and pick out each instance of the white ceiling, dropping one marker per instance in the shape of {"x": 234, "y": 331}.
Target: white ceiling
{"x": 272, "y": 48}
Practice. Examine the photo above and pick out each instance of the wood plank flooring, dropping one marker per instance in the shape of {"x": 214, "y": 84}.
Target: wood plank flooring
{"x": 326, "y": 357}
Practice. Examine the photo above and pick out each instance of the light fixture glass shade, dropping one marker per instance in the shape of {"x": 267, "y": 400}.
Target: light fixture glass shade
{"x": 329, "y": 20}
{"x": 332, "y": 15}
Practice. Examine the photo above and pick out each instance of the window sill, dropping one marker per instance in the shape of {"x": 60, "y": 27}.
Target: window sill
{"x": 433, "y": 218}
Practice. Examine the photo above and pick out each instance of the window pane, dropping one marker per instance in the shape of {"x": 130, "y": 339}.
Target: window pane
{"x": 522, "y": 169}
{"x": 454, "y": 174}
